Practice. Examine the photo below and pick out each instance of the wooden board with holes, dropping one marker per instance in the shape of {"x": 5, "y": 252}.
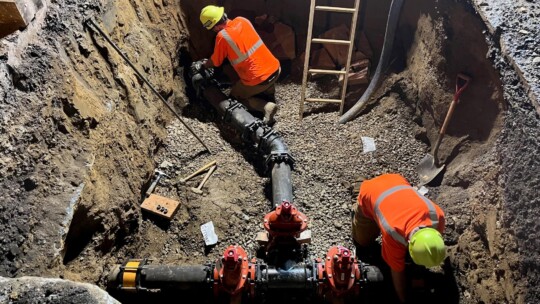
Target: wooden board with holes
{"x": 160, "y": 205}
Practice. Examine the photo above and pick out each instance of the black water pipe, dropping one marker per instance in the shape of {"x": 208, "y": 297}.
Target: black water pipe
{"x": 175, "y": 277}
{"x": 268, "y": 279}
{"x": 297, "y": 277}
{"x": 267, "y": 141}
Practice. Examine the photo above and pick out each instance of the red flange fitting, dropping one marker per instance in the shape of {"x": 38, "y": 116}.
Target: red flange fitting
{"x": 286, "y": 220}
{"x": 232, "y": 271}
{"x": 341, "y": 271}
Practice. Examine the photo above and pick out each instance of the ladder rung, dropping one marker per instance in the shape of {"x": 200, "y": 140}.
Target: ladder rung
{"x": 335, "y": 9}
{"x": 323, "y": 100}
{"x": 331, "y": 72}
{"x": 331, "y": 41}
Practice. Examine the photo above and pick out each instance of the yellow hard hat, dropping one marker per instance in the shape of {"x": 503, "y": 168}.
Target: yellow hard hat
{"x": 210, "y": 15}
{"x": 427, "y": 248}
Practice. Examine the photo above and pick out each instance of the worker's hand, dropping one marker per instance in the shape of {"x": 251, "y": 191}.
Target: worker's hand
{"x": 198, "y": 66}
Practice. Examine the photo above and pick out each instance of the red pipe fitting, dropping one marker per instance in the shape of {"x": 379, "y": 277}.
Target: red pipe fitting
{"x": 286, "y": 220}
{"x": 339, "y": 273}
{"x": 232, "y": 271}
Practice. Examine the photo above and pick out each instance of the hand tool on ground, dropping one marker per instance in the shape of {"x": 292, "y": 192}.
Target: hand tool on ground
{"x": 157, "y": 176}
{"x": 100, "y": 31}
{"x": 202, "y": 169}
{"x": 198, "y": 189}
{"x": 429, "y": 168}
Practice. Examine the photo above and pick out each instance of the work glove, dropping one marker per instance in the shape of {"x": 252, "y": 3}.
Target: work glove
{"x": 198, "y": 66}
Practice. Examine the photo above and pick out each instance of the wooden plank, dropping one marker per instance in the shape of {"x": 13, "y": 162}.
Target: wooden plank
{"x": 351, "y": 45}
{"x": 306, "y": 59}
{"x": 323, "y": 100}
{"x": 154, "y": 201}
{"x": 335, "y": 9}
{"x": 331, "y": 41}
{"x": 330, "y": 72}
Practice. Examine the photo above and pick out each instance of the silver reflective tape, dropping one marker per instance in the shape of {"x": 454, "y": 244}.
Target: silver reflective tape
{"x": 432, "y": 212}
{"x": 231, "y": 43}
{"x": 395, "y": 235}
{"x": 241, "y": 56}
{"x": 384, "y": 223}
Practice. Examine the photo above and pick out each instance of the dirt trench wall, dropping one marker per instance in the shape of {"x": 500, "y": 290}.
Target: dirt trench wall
{"x": 492, "y": 167}
{"x": 78, "y": 128}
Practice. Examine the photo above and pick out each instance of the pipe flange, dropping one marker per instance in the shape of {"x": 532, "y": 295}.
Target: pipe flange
{"x": 233, "y": 105}
{"x": 265, "y": 140}
{"x": 277, "y": 158}
{"x": 251, "y": 129}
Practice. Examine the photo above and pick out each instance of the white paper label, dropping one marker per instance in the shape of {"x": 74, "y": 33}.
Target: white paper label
{"x": 210, "y": 237}
{"x": 369, "y": 144}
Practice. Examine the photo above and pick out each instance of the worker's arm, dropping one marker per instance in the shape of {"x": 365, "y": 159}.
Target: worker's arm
{"x": 394, "y": 255}
{"x": 398, "y": 278}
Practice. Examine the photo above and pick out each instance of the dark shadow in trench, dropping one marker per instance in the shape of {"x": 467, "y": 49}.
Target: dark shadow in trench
{"x": 423, "y": 286}
{"x": 83, "y": 226}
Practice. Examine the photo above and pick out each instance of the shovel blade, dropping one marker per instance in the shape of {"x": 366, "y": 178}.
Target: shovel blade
{"x": 428, "y": 170}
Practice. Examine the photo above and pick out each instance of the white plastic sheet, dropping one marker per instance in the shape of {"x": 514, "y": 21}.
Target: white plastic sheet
{"x": 209, "y": 235}
{"x": 368, "y": 144}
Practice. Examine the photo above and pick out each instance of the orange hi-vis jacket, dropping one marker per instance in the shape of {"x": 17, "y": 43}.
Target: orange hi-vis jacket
{"x": 249, "y": 56}
{"x": 397, "y": 209}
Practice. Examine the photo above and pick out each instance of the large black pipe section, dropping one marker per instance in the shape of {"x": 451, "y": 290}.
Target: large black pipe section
{"x": 175, "y": 277}
{"x": 297, "y": 277}
{"x": 142, "y": 277}
{"x": 268, "y": 142}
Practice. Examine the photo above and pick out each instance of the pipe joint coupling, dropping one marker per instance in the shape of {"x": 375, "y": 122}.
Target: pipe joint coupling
{"x": 277, "y": 158}
{"x": 250, "y": 130}
{"x": 233, "y": 105}
{"x": 265, "y": 142}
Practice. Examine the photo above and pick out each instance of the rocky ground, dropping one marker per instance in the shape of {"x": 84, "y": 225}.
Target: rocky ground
{"x": 515, "y": 26}
{"x": 81, "y": 136}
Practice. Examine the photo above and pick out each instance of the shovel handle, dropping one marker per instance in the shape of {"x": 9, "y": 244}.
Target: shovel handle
{"x": 462, "y": 82}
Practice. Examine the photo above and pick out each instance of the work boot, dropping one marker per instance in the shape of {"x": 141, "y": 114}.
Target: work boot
{"x": 270, "y": 110}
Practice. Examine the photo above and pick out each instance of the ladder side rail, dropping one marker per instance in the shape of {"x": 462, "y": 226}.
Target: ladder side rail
{"x": 349, "y": 56}
{"x": 307, "y": 57}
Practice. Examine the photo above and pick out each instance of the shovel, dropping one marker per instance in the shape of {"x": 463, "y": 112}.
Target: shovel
{"x": 429, "y": 167}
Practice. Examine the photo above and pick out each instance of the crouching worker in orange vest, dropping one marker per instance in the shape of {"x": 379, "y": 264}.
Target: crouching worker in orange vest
{"x": 257, "y": 68}
{"x": 408, "y": 222}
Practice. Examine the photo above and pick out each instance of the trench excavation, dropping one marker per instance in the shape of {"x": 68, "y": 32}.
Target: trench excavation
{"x": 286, "y": 268}
{"x": 82, "y": 154}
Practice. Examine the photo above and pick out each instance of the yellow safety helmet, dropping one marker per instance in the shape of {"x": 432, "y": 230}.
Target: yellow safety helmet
{"x": 210, "y": 15}
{"x": 427, "y": 248}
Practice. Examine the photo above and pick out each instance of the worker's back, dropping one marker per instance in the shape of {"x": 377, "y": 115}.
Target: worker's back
{"x": 244, "y": 48}
{"x": 397, "y": 209}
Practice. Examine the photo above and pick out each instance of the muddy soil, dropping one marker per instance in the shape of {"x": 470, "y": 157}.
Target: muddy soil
{"x": 81, "y": 135}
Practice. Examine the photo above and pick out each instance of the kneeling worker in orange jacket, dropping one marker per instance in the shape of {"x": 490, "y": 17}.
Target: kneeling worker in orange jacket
{"x": 257, "y": 68}
{"x": 407, "y": 220}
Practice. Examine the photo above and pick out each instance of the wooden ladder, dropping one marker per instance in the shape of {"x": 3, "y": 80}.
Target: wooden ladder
{"x": 310, "y": 40}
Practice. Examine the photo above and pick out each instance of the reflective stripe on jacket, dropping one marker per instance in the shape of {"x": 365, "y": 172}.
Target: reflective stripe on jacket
{"x": 249, "y": 56}
{"x": 397, "y": 209}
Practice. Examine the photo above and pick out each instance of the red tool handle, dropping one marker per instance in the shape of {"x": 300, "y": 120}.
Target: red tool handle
{"x": 462, "y": 82}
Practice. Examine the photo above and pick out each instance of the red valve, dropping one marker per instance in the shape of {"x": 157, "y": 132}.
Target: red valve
{"x": 232, "y": 271}
{"x": 341, "y": 271}
{"x": 286, "y": 220}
